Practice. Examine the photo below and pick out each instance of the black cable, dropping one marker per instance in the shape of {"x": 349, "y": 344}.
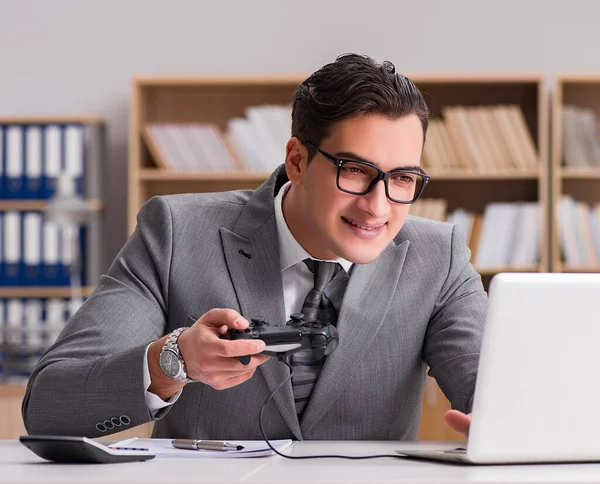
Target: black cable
{"x": 326, "y": 456}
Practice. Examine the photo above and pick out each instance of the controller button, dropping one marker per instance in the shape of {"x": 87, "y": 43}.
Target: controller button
{"x": 296, "y": 319}
{"x": 259, "y": 321}
{"x": 319, "y": 341}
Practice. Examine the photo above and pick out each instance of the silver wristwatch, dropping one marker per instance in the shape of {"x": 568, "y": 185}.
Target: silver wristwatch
{"x": 170, "y": 360}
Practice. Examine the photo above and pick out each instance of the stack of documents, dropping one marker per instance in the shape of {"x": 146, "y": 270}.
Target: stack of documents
{"x": 163, "y": 448}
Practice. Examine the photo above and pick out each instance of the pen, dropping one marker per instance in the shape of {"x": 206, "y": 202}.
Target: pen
{"x": 189, "y": 444}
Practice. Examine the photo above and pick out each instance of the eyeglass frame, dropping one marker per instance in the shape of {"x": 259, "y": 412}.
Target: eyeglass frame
{"x": 381, "y": 175}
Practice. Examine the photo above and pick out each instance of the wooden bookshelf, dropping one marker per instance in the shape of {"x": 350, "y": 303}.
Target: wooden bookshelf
{"x": 216, "y": 99}
{"x": 580, "y": 182}
{"x": 11, "y": 394}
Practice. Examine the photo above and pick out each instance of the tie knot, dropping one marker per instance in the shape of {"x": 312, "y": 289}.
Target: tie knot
{"x": 323, "y": 271}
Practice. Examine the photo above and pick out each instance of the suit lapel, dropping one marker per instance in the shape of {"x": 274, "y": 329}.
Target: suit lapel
{"x": 363, "y": 311}
{"x": 252, "y": 255}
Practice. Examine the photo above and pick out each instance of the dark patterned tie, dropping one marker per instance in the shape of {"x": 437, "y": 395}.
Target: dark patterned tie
{"x": 316, "y": 307}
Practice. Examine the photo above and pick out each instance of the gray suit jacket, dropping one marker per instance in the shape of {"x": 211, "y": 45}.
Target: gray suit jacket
{"x": 421, "y": 302}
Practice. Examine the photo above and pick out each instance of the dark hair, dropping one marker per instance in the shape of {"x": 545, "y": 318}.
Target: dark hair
{"x": 353, "y": 85}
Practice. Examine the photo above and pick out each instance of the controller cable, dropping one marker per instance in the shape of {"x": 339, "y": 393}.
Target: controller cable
{"x": 283, "y": 358}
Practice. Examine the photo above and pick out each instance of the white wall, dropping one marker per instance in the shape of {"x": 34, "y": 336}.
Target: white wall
{"x": 77, "y": 56}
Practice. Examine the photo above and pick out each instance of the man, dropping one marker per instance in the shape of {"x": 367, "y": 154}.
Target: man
{"x": 400, "y": 290}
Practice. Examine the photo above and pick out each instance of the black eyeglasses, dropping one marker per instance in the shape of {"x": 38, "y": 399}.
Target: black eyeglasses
{"x": 360, "y": 177}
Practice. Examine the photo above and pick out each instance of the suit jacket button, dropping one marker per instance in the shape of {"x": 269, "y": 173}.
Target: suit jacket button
{"x": 125, "y": 420}
{"x": 100, "y": 427}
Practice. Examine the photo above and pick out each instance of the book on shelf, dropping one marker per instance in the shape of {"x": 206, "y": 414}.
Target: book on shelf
{"x": 481, "y": 139}
{"x": 506, "y": 234}
{"x": 253, "y": 143}
{"x": 189, "y": 147}
{"x": 580, "y": 144}
{"x": 509, "y": 235}
{"x": 432, "y": 208}
{"x": 578, "y": 230}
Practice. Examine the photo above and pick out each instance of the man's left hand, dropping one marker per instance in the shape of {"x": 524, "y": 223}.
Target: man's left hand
{"x": 458, "y": 421}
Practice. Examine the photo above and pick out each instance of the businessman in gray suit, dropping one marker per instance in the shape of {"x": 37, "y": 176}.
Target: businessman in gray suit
{"x": 329, "y": 231}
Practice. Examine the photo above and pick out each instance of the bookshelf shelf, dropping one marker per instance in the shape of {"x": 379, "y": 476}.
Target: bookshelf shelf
{"x": 217, "y": 99}
{"x": 218, "y": 80}
{"x": 11, "y": 396}
{"x": 581, "y": 269}
{"x": 41, "y": 205}
{"x": 494, "y": 176}
{"x": 51, "y": 120}
{"x": 579, "y": 173}
{"x": 168, "y": 176}
{"x": 10, "y": 390}
{"x": 40, "y": 292}
{"x": 491, "y": 271}
{"x": 154, "y": 174}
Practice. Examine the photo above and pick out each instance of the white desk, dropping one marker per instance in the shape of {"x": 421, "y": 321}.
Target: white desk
{"x": 19, "y": 465}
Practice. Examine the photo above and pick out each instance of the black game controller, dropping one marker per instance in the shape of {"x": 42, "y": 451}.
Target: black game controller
{"x": 294, "y": 336}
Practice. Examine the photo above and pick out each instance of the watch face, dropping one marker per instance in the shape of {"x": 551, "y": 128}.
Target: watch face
{"x": 170, "y": 364}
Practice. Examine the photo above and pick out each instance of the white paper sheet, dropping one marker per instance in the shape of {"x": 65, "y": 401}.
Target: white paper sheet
{"x": 163, "y": 448}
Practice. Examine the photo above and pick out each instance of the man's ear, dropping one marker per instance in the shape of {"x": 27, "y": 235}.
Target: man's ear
{"x": 296, "y": 160}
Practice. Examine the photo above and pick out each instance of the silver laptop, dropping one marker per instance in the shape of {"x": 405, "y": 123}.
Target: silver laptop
{"x": 537, "y": 396}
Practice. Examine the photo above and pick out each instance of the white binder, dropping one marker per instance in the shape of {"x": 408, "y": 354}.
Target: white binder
{"x": 14, "y": 322}
{"x": 55, "y": 318}
{"x": 14, "y": 162}
{"x": 32, "y": 248}
{"x": 74, "y": 154}
{"x": 34, "y": 325}
{"x": 12, "y": 248}
{"x": 33, "y": 162}
{"x": 52, "y": 159}
{"x": 2, "y": 327}
{"x": 50, "y": 261}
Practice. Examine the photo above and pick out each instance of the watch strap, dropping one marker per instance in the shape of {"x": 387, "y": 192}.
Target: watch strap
{"x": 171, "y": 344}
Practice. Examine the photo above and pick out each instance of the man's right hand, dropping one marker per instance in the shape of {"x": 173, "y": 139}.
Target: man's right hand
{"x": 208, "y": 358}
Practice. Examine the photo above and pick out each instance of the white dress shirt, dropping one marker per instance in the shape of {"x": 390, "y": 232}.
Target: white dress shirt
{"x": 297, "y": 282}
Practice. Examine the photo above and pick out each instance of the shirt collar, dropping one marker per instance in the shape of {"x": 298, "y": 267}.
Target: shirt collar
{"x": 290, "y": 250}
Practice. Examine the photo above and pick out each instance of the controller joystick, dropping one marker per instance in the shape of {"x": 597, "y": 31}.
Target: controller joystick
{"x": 285, "y": 340}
